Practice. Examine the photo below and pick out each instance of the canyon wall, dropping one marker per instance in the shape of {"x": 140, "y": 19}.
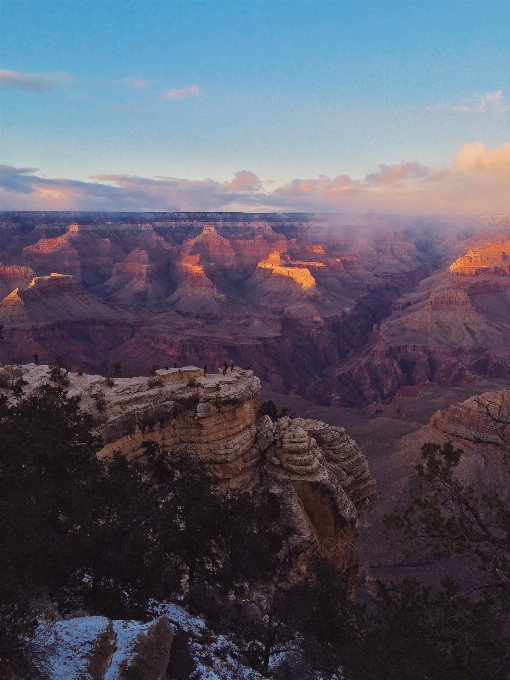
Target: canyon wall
{"x": 318, "y": 473}
{"x": 453, "y": 329}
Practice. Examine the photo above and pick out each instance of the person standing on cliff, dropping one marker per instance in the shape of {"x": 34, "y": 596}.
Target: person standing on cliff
{"x": 224, "y": 367}
{"x": 36, "y": 359}
{"x": 205, "y": 368}
{"x": 231, "y": 365}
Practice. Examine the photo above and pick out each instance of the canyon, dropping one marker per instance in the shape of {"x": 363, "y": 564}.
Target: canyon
{"x": 368, "y": 323}
{"x": 341, "y": 309}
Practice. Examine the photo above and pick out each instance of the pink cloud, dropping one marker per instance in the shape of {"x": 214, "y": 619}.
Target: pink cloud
{"x": 392, "y": 175}
{"x": 477, "y": 158}
{"x": 477, "y": 180}
{"x": 244, "y": 181}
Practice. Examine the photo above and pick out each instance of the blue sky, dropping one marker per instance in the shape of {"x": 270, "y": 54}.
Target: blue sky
{"x": 285, "y": 90}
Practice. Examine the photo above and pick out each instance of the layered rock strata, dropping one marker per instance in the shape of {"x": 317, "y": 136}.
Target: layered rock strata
{"x": 489, "y": 258}
{"x": 479, "y": 426}
{"x": 316, "y": 470}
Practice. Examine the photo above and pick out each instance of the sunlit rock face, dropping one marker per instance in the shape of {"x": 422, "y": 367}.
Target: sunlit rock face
{"x": 300, "y": 274}
{"x": 266, "y": 290}
{"x": 56, "y": 309}
{"x": 318, "y": 472}
{"x": 485, "y": 259}
{"x": 14, "y": 276}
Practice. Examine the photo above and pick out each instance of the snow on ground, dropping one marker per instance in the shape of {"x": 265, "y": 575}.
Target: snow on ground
{"x": 71, "y": 644}
{"x": 181, "y": 619}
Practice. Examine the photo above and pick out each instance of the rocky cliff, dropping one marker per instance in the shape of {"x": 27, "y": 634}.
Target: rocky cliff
{"x": 55, "y": 311}
{"x": 473, "y": 426}
{"x": 94, "y": 647}
{"x": 318, "y": 472}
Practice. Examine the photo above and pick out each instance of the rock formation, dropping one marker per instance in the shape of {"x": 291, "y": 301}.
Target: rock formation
{"x": 471, "y": 426}
{"x": 289, "y": 294}
{"x": 318, "y": 472}
{"x": 53, "y": 315}
{"x": 487, "y": 258}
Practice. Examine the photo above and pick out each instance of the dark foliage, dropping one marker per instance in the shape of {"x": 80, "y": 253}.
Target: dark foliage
{"x": 320, "y": 608}
{"x": 47, "y": 457}
{"x": 467, "y": 634}
{"x": 59, "y": 372}
{"x": 116, "y": 369}
{"x": 221, "y": 538}
{"x": 106, "y": 535}
{"x": 269, "y": 408}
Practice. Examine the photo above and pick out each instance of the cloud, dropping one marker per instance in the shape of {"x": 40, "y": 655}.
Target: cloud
{"x": 395, "y": 175}
{"x": 38, "y": 83}
{"x": 476, "y": 158}
{"x": 135, "y": 83}
{"x": 341, "y": 185}
{"x": 490, "y": 101}
{"x": 182, "y": 93}
{"x": 20, "y": 189}
{"x": 15, "y": 179}
{"x": 244, "y": 181}
{"x": 476, "y": 181}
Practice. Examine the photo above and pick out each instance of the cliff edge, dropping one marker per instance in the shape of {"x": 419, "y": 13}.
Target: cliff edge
{"x": 318, "y": 472}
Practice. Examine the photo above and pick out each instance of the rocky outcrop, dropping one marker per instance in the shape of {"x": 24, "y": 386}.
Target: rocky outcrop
{"x": 317, "y": 471}
{"x": 52, "y": 298}
{"x": 14, "y": 276}
{"x": 487, "y": 258}
{"x": 140, "y": 279}
{"x": 96, "y": 648}
{"x": 481, "y": 420}
{"x": 478, "y": 426}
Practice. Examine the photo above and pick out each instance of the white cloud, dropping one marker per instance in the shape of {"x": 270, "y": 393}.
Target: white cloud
{"x": 181, "y": 93}
{"x": 490, "y": 101}
{"x": 38, "y": 83}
